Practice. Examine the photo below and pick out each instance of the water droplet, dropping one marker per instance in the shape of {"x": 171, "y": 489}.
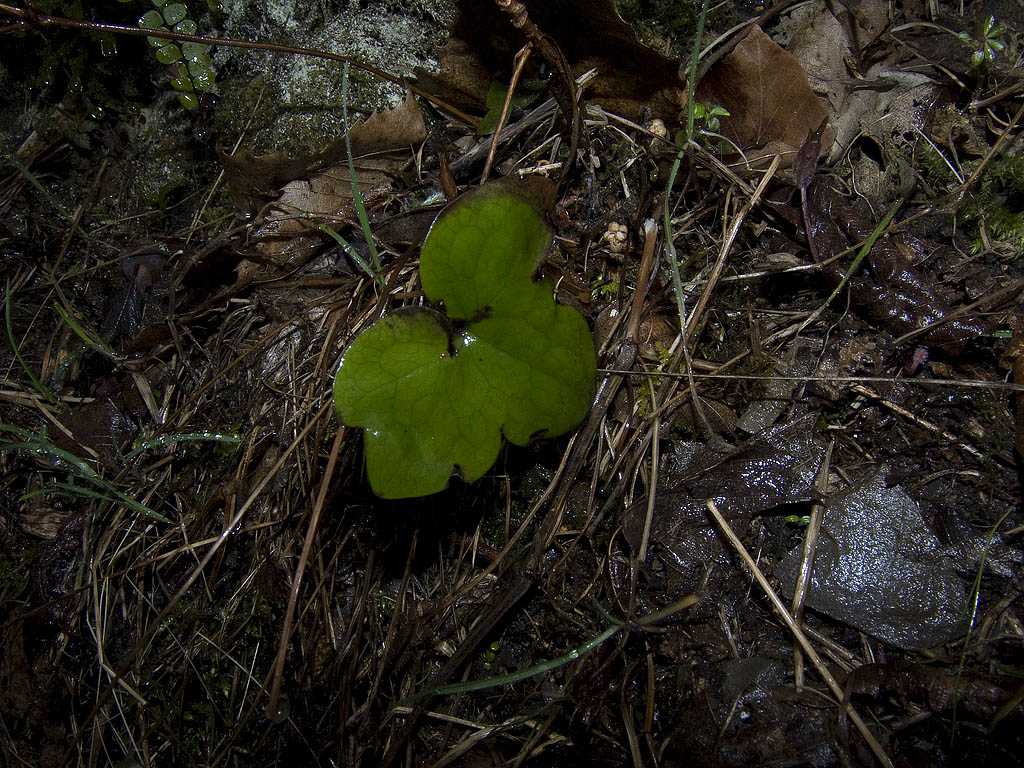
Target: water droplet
{"x": 46, "y": 77}
{"x": 168, "y": 54}
{"x": 202, "y": 80}
{"x": 281, "y": 712}
{"x": 197, "y": 66}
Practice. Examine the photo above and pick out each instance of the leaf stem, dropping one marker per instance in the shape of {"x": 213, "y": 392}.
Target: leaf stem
{"x": 673, "y": 264}
{"x": 357, "y": 196}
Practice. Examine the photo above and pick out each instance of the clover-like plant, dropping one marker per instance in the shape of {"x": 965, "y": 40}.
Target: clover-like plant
{"x": 985, "y": 39}
{"x": 435, "y": 392}
{"x": 190, "y": 62}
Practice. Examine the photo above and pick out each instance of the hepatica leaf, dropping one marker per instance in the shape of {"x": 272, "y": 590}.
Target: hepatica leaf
{"x": 436, "y": 393}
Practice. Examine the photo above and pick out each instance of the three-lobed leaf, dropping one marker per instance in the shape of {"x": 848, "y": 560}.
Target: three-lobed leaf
{"x": 435, "y": 393}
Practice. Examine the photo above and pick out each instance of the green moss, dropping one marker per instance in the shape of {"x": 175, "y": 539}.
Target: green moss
{"x": 992, "y": 211}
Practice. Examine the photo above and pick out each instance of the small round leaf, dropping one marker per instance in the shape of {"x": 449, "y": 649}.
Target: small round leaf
{"x": 151, "y": 20}
{"x": 168, "y": 54}
{"x": 174, "y": 13}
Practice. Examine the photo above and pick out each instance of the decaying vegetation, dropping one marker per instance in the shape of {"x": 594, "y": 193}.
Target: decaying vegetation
{"x": 787, "y": 533}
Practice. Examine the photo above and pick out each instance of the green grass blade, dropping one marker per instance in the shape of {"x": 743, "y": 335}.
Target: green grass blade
{"x": 78, "y": 468}
{"x": 673, "y": 263}
{"x": 218, "y": 437}
{"x": 364, "y": 220}
{"x": 71, "y": 491}
{"x": 350, "y": 251}
{"x": 39, "y": 386}
{"x": 96, "y": 344}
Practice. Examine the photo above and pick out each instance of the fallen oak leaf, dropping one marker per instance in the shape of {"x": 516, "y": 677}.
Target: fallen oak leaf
{"x": 771, "y": 106}
{"x": 256, "y": 179}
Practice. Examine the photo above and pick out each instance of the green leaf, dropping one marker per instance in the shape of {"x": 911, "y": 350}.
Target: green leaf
{"x": 435, "y": 393}
{"x": 175, "y": 13}
{"x": 168, "y": 54}
{"x": 525, "y": 94}
{"x": 151, "y": 20}
{"x": 481, "y": 252}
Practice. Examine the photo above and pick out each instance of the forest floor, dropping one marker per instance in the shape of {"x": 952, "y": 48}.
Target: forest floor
{"x": 788, "y": 530}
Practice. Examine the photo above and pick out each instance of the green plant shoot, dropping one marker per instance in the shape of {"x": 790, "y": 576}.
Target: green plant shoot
{"x": 435, "y": 392}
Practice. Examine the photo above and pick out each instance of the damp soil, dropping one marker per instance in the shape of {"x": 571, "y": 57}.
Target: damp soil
{"x": 194, "y": 570}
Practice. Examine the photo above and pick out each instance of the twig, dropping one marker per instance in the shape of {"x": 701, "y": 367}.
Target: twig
{"x": 32, "y": 17}
{"x": 517, "y": 71}
{"x": 730, "y": 237}
{"x": 563, "y": 86}
{"x": 798, "y": 634}
{"x": 921, "y": 422}
{"x": 807, "y": 560}
{"x": 541, "y": 112}
{"x": 293, "y": 597}
{"x": 646, "y": 268}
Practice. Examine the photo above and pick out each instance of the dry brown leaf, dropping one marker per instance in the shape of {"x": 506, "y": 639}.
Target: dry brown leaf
{"x": 631, "y": 77}
{"x": 255, "y": 180}
{"x": 822, "y": 47}
{"x": 771, "y": 106}
{"x": 318, "y": 188}
{"x": 892, "y": 291}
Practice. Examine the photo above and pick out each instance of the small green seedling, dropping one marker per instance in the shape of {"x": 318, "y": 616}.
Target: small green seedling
{"x": 985, "y": 41}
{"x": 435, "y": 392}
{"x": 707, "y": 119}
{"x": 491, "y": 654}
{"x": 525, "y": 95}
